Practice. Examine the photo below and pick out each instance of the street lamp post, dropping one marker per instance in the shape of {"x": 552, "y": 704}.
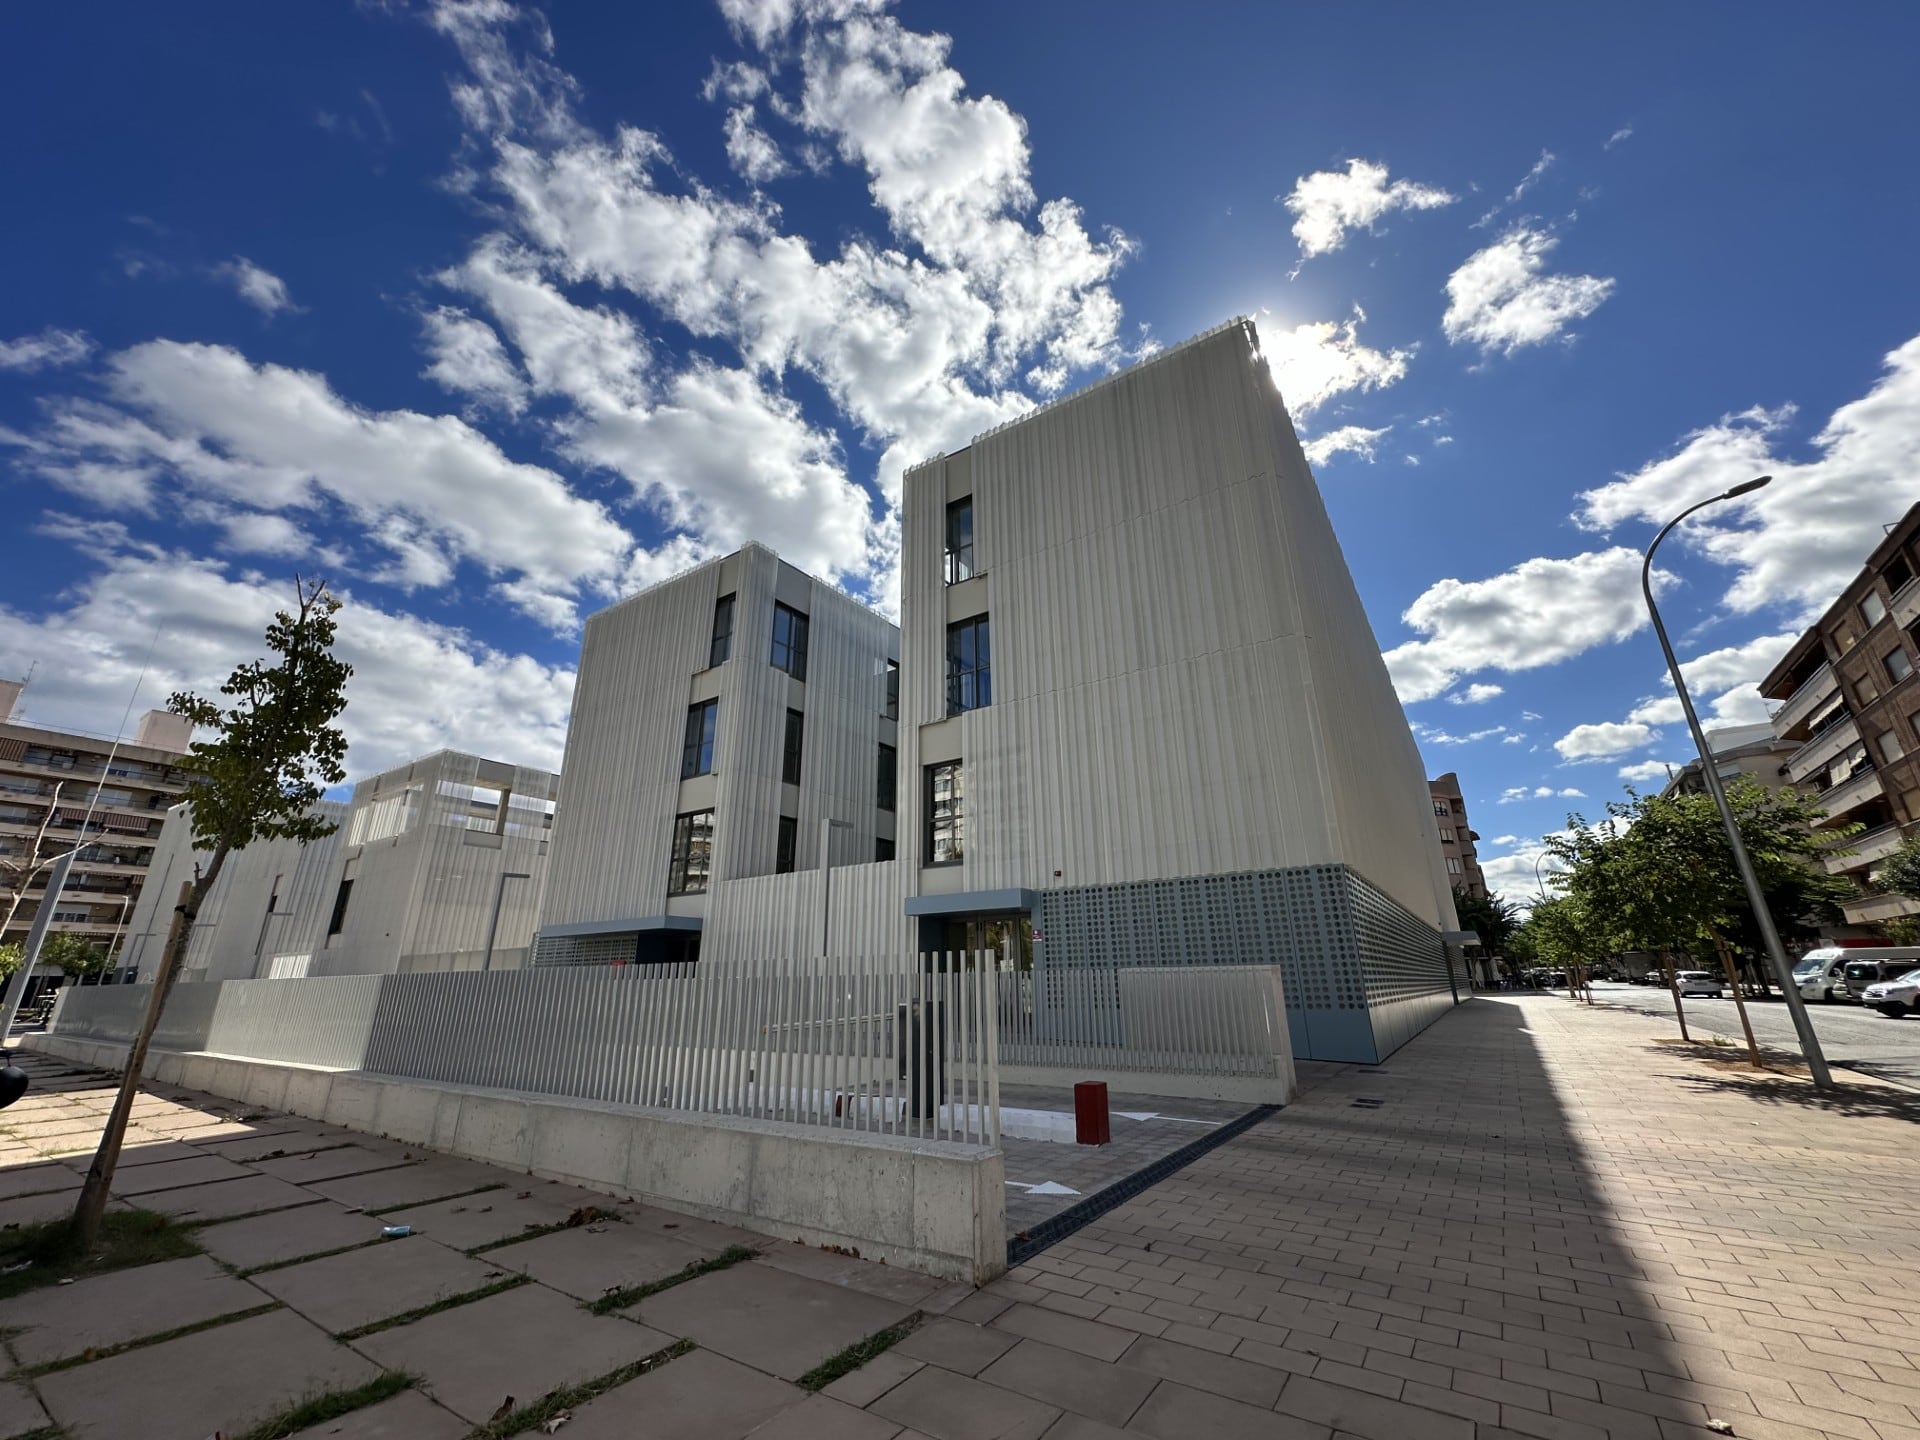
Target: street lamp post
{"x": 1770, "y": 937}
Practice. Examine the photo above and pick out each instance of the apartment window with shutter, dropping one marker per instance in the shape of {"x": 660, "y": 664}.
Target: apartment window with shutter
{"x": 885, "y": 793}
{"x": 786, "y": 845}
{"x": 1872, "y": 610}
{"x": 696, "y": 756}
{"x": 1453, "y": 865}
{"x": 1897, "y": 665}
{"x": 721, "y": 650}
{"x": 1889, "y": 744}
{"x": 790, "y": 641}
{"x": 790, "y": 752}
{"x": 960, "y": 541}
{"x": 1440, "y": 807}
{"x": 692, "y": 858}
{"x": 969, "y": 666}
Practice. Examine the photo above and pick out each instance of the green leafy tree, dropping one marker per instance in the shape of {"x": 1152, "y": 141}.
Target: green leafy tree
{"x": 75, "y": 954}
{"x": 1489, "y": 916}
{"x": 1563, "y": 931}
{"x": 10, "y": 957}
{"x": 274, "y": 751}
{"x": 1901, "y": 872}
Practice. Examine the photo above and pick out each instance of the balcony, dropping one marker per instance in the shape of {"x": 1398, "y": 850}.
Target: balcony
{"x": 1823, "y": 748}
{"x": 1851, "y": 794}
{"x": 1818, "y": 687}
{"x": 1872, "y": 909}
{"x": 1868, "y": 848}
{"x": 1905, "y": 608}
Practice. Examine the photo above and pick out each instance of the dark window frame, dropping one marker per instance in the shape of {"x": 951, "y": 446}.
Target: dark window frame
{"x": 950, "y": 828}
{"x": 786, "y": 845}
{"x": 703, "y": 729}
{"x": 681, "y": 860}
{"x": 890, "y": 701}
{"x": 793, "y": 748}
{"x": 886, "y": 790}
{"x": 969, "y": 681}
{"x": 959, "y": 537}
{"x": 789, "y": 641}
{"x": 720, "y": 648}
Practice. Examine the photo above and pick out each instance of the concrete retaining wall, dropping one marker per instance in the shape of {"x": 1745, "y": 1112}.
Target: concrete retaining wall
{"x": 933, "y": 1206}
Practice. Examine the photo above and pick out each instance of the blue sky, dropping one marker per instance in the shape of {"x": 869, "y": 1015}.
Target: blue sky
{"x": 493, "y": 314}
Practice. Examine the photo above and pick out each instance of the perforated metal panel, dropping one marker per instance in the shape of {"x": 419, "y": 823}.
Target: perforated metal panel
{"x": 1362, "y": 974}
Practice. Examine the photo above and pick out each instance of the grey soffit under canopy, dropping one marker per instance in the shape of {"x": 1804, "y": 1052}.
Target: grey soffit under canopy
{"x": 621, "y": 927}
{"x": 973, "y": 902}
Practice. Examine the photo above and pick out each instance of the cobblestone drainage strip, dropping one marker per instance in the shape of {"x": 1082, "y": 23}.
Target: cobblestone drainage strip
{"x": 1051, "y": 1231}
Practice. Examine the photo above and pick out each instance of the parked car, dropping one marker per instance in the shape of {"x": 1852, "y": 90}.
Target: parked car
{"x": 1822, "y": 974}
{"x": 1862, "y": 973}
{"x": 1699, "y": 982}
{"x": 1655, "y": 977}
{"x": 1895, "y": 998}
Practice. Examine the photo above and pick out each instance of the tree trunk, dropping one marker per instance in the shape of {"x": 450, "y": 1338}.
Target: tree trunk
{"x": 92, "y": 1206}
{"x": 1673, "y": 986}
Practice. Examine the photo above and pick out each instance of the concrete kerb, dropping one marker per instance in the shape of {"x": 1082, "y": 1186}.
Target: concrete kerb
{"x": 934, "y": 1206}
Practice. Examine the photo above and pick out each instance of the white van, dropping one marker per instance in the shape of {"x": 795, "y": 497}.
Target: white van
{"x": 1821, "y": 974}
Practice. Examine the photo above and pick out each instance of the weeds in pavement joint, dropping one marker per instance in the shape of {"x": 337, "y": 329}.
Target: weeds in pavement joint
{"x": 127, "y": 1238}
{"x": 436, "y": 1199}
{"x": 634, "y": 1294}
{"x": 106, "y": 1352}
{"x": 407, "y": 1317}
{"x": 549, "y": 1406}
{"x": 328, "y": 1405}
{"x": 859, "y": 1353}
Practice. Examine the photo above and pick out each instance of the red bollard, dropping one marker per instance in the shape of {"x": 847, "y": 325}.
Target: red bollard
{"x": 1091, "y": 1123}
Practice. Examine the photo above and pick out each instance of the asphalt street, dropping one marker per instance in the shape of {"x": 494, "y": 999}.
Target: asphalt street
{"x": 1852, "y": 1036}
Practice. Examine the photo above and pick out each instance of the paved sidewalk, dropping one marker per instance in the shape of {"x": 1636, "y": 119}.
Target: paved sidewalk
{"x": 1537, "y": 1220}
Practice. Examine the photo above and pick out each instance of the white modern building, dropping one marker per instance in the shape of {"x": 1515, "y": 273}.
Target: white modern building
{"x": 1139, "y": 718}
{"x": 723, "y": 722}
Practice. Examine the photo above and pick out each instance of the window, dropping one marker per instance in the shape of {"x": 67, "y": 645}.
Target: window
{"x": 339, "y": 917}
{"x": 790, "y": 755}
{"x": 885, "y": 792}
{"x": 1871, "y": 609}
{"x": 1453, "y": 865}
{"x": 1446, "y": 835}
{"x": 960, "y": 541}
{"x": 721, "y": 649}
{"x": 891, "y": 709}
{"x": 697, "y": 757}
{"x": 692, "y": 853}
{"x": 1898, "y": 666}
{"x": 969, "y": 668}
{"x": 1897, "y": 573}
{"x": 945, "y": 823}
{"x": 790, "y": 641}
{"x": 883, "y": 850}
{"x": 1440, "y": 808}
{"x": 785, "y": 846}
{"x": 1889, "y": 745}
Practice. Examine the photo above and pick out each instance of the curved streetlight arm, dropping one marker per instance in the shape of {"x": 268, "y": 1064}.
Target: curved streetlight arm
{"x": 1769, "y": 935}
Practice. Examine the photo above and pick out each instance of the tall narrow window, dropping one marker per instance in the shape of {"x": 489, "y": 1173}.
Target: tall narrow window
{"x": 790, "y": 757}
{"x": 891, "y": 709}
{"x": 885, "y": 792}
{"x": 883, "y": 849}
{"x": 697, "y": 757}
{"x": 340, "y": 899}
{"x": 692, "y": 857}
{"x": 721, "y": 649}
{"x": 960, "y": 540}
{"x": 789, "y": 841}
{"x": 945, "y": 824}
{"x": 790, "y": 641}
{"x": 969, "y": 666}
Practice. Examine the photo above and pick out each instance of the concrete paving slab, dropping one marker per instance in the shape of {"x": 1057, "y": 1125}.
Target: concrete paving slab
{"x": 1071, "y": 1381}
{"x": 416, "y": 1183}
{"x": 327, "y": 1164}
{"x": 344, "y": 1292}
{"x": 818, "y": 1418}
{"x": 701, "y": 1396}
{"x": 223, "y": 1379}
{"x": 20, "y": 1412}
{"x": 952, "y": 1345}
{"x": 287, "y": 1234}
{"x": 147, "y": 1152}
{"x": 495, "y": 1215}
{"x": 54, "y": 1125}
{"x": 947, "y": 1406}
{"x": 226, "y": 1198}
{"x": 176, "y": 1175}
{"x": 768, "y": 1318}
{"x": 586, "y": 1264}
{"x": 888, "y": 1282}
{"x": 873, "y": 1379}
{"x": 1178, "y": 1412}
{"x": 62, "y": 1320}
{"x": 36, "y": 1178}
{"x": 520, "y": 1344}
{"x": 407, "y": 1416}
{"x": 32, "y": 1209}
{"x": 255, "y": 1142}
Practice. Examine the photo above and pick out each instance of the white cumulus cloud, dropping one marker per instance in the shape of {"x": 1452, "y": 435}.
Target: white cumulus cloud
{"x": 1347, "y": 440}
{"x": 1608, "y": 738}
{"x": 1315, "y": 362}
{"x": 44, "y": 351}
{"x": 256, "y": 285}
{"x": 1476, "y": 694}
{"x": 1329, "y": 203}
{"x": 1501, "y": 299}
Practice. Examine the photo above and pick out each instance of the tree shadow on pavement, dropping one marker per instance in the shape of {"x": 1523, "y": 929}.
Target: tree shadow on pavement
{"x": 1774, "y": 1090}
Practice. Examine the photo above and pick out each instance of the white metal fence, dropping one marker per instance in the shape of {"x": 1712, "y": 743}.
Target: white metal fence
{"x": 862, "y": 1045}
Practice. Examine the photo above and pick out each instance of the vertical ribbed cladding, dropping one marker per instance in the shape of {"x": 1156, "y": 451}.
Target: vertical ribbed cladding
{"x": 753, "y": 717}
{"x": 846, "y": 684}
{"x": 613, "y": 830}
{"x": 779, "y": 915}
